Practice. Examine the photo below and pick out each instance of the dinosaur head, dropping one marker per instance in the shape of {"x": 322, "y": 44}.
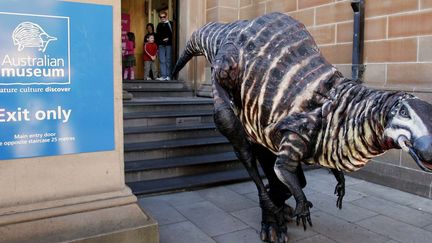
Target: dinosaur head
{"x": 409, "y": 127}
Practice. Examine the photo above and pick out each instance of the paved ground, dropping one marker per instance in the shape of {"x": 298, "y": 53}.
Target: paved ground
{"x": 371, "y": 213}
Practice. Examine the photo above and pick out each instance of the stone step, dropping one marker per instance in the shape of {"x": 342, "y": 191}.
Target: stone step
{"x": 175, "y": 148}
{"x": 205, "y": 90}
{"x": 170, "y": 117}
{"x": 148, "y": 81}
{"x": 167, "y": 104}
{"x": 160, "y": 92}
{"x": 155, "y": 164}
{"x": 153, "y": 84}
{"x": 143, "y": 170}
{"x": 188, "y": 182}
{"x": 169, "y": 132}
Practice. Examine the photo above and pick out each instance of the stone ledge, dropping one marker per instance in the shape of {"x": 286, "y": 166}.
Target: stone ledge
{"x": 401, "y": 178}
{"x": 54, "y": 208}
{"x": 115, "y": 223}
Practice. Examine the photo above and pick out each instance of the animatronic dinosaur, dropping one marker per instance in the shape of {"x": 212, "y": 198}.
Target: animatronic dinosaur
{"x": 278, "y": 100}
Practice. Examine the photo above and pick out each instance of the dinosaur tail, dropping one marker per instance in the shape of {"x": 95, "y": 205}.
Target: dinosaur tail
{"x": 182, "y": 61}
{"x": 194, "y": 47}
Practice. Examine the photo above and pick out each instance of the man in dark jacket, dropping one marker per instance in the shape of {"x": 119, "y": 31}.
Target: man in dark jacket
{"x": 164, "y": 31}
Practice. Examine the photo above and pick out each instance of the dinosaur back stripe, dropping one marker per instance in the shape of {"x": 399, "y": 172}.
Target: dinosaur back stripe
{"x": 281, "y": 62}
{"x": 278, "y": 59}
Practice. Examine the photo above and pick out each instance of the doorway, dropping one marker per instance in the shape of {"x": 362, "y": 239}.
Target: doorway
{"x": 136, "y": 14}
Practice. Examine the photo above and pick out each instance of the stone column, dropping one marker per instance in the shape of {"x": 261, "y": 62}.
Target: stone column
{"x": 79, "y": 196}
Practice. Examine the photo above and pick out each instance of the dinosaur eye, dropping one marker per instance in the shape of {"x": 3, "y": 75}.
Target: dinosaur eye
{"x": 404, "y": 112}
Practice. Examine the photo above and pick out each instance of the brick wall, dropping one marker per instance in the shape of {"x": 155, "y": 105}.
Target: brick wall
{"x": 398, "y": 40}
{"x": 397, "y": 54}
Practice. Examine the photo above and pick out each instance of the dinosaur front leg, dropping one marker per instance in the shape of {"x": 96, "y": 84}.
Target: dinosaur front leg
{"x": 230, "y": 127}
{"x": 291, "y": 151}
{"x": 340, "y": 187}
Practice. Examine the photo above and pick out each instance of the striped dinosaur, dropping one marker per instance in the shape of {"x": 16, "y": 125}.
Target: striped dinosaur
{"x": 279, "y": 101}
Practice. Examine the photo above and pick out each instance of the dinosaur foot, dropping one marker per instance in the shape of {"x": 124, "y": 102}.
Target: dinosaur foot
{"x": 274, "y": 225}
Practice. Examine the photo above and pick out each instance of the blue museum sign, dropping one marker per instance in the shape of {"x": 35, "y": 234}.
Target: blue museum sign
{"x": 56, "y": 78}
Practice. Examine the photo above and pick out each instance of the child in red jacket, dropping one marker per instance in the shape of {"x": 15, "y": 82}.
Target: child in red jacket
{"x": 150, "y": 53}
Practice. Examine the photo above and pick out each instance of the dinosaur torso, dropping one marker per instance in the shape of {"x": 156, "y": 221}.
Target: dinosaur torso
{"x": 278, "y": 76}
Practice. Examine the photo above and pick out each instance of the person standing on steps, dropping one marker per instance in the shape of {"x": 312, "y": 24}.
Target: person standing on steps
{"x": 164, "y": 32}
{"x": 129, "y": 60}
{"x": 150, "y": 31}
{"x": 150, "y": 53}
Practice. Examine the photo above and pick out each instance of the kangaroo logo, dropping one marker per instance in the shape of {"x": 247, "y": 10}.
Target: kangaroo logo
{"x": 28, "y": 34}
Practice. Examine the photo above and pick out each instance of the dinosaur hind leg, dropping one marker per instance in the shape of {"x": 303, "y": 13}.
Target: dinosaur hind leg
{"x": 230, "y": 126}
{"x": 277, "y": 190}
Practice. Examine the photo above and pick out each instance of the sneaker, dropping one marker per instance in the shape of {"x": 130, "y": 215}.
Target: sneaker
{"x": 148, "y": 78}
{"x": 160, "y": 78}
{"x": 167, "y": 78}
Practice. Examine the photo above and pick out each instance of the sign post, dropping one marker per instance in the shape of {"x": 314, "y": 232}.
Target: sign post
{"x": 61, "y": 142}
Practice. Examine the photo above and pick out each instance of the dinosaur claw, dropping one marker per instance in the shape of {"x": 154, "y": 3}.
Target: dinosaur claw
{"x": 273, "y": 233}
{"x": 302, "y": 212}
{"x": 274, "y": 225}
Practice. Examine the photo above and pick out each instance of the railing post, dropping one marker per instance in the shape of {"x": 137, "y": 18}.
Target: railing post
{"x": 195, "y": 75}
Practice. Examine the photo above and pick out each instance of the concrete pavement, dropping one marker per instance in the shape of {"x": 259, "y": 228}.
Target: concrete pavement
{"x": 231, "y": 214}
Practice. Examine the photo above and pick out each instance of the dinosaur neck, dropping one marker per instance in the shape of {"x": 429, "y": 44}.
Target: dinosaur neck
{"x": 355, "y": 125}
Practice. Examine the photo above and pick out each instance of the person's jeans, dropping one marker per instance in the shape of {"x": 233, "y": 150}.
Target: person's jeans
{"x": 165, "y": 58}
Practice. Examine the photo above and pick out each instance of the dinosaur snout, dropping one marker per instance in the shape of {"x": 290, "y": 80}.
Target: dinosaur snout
{"x": 423, "y": 148}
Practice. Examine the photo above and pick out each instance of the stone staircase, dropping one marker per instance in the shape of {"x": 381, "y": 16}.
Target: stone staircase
{"x": 170, "y": 140}
{"x": 156, "y": 88}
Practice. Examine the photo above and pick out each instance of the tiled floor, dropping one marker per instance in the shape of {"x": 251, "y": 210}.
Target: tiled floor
{"x": 371, "y": 213}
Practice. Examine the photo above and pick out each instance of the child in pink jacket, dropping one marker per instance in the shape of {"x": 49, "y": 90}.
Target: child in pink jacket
{"x": 129, "y": 61}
